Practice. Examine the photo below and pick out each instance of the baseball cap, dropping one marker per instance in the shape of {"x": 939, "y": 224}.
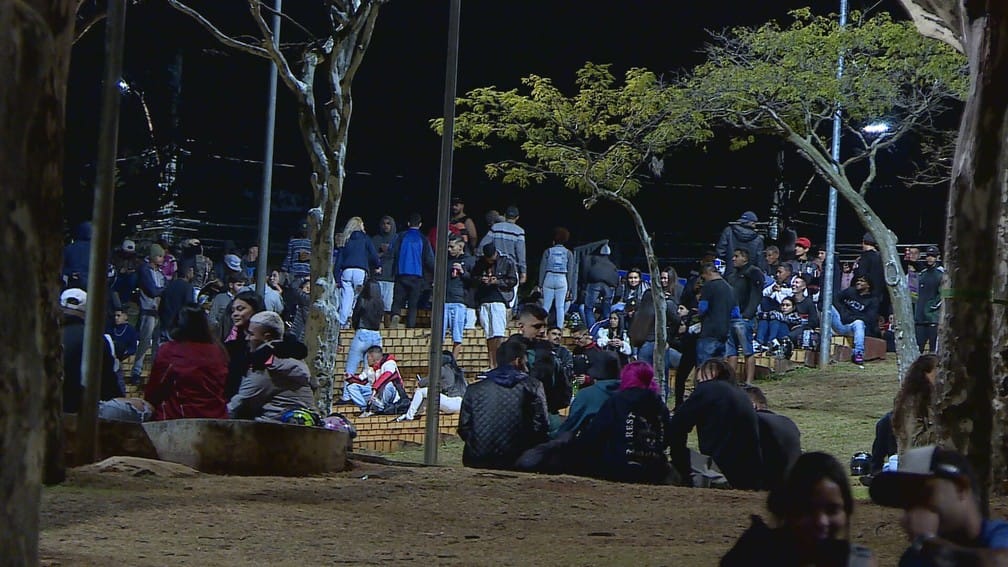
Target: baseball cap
{"x": 128, "y": 245}
{"x": 232, "y": 262}
{"x": 511, "y": 212}
{"x": 931, "y": 251}
{"x": 803, "y": 242}
{"x": 748, "y": 217}
{"x": 74, "y": 299}
{"x": 868, "y": 238}
{"x": 903, "y": 487}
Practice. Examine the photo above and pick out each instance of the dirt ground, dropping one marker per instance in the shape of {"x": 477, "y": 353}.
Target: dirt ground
{"x": 378, "y": 514}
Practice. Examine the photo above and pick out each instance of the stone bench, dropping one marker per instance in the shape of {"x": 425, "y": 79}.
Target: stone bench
{"x": 222, "y": 446}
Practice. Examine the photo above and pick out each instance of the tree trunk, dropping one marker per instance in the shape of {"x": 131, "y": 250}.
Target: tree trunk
{"x": 973, "y": 334}
{"x": 903, "y": 318}
{"x": 34, "y": 59}
{"x": 657, "y": 297}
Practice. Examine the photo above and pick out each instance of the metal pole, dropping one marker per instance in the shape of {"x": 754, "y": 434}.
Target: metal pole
{"x": 265, "y": 205}
{"x": 826, "y": 332}
{"x": 101, "y": 216}
{"x": 432, "y": 437}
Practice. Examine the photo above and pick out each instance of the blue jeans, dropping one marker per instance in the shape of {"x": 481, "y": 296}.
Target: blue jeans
{"x": 351, "y": 282}
{"x": 149, "y": 341}
{"x": 855, "y": 328}
{"x": 455, "y": 319}
{"x": 768, "y": 330}
{"x": 708, "y": 348}
{"x": 672, "y": 358}
{"x": 554, "y": 291}
{"x": 118, "y": 409}
{"x": 363, "y": 339}
{"x": 357, "y": 393}
{"x": 593, "y": 292}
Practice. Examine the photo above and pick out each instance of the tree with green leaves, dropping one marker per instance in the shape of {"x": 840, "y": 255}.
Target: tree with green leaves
{"x": 782, "y": 81}
{"x": 334, "y": 43}
{"x": 604, "y": 141}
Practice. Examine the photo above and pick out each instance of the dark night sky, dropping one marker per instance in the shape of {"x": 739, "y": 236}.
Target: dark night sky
{"x": 393, "y": 155}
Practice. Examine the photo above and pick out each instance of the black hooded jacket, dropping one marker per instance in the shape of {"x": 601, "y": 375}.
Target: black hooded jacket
{"x": 740, "y": 236}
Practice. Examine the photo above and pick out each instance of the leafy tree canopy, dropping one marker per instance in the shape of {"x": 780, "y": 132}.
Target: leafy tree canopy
{"x": 603, "y": 137}
{"x": 782, "y": 80}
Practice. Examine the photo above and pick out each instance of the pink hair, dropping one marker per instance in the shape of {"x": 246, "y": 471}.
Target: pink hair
{"x": 638, "y": 375}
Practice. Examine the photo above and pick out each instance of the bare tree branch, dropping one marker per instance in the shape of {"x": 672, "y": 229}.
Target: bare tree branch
{"x": 217, "y": 33}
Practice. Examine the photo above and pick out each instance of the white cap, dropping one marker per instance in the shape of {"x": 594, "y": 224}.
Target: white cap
{"x": 74, "y": 299}
{"x": 128, "y": 245}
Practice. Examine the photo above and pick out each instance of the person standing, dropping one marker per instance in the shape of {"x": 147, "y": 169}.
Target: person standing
{"x": 556, "y": 273}
{"x": 152, "y": 285}
{"x": 358, "y": 260}
{"x": 497, "y": 277}
{"x": 413, "y": 254}
{"x": 383, "y": 243}
{"x": 297, "y": 262}
{"x": 716, "y": 309}
{"x": 509, "y": 240}
{"x": 462, "y": 224}
{"x": 747, "y": 282}
{"x": 455, "y": 293}
{"x": 869, "y": 265}
{"x": 601, "y": 279}
{"x": 929, "y": 300}
{"x": 740, "y": 234}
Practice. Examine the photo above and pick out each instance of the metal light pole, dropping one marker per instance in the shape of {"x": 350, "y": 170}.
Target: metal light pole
{"x": 431, "y": 438}
{"x": 267, "y": 178}
{"x": 104, "y": 200}
{"x": 826, "y": 332}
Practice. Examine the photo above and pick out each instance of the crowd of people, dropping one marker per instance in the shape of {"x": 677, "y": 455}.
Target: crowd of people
{"x": 222, "y": 349}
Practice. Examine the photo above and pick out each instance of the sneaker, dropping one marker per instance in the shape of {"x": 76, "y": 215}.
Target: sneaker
{"x": 366, "y": 414}
{"x": 857, "y": 358}
{"x": 401, "y": 418}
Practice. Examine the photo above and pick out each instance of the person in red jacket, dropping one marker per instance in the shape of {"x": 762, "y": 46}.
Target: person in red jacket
{"x": 189, "y": 372}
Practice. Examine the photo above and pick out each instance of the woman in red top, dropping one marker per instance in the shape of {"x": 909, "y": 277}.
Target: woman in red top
{"x": 189, "y": 372}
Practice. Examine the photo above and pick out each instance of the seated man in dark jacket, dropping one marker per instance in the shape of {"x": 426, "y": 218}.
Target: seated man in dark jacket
{"x": 504, "y": 414}
{"x": 727, "y": 427}
{"x": 855, "y": 313}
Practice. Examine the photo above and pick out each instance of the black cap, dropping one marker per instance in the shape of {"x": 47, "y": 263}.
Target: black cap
{"x": 868, "y": 239}
{"x": 931, "y": 251}
{"x": 456, "y": 199}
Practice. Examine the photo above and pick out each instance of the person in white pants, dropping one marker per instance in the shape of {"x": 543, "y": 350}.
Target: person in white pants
{"x": 453, "y": 387}
{"x": 448, "y": 404}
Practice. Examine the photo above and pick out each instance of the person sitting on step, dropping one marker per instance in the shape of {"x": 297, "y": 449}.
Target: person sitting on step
{"x": 452, "y": 386}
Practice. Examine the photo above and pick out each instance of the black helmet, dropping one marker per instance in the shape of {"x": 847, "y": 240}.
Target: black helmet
{"x": 860, "y": 464}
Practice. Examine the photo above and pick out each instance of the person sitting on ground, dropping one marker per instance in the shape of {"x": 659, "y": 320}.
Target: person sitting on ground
{"x": 189, "y": 372}
{"x": 602, "y": 379}
{"x": 273, "y": 385}
{"x": 944, "y": 517}
{"x": 812, "y": 509}
{"x": 452, "y": 385}
{"x": 912, "y": 417}
{"x": 726, "y": 423}
{"x": 614, "y": 337}
{"x": 388, "y": 394}
{"x": 854, "y": 313}
{"x": 542, "y": 365}
{"x": 626, "y": 439}
{"x": 504, "y": 414}
{"x": 780, "y": 439}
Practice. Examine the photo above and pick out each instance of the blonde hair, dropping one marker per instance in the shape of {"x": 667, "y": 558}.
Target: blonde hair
{"x": 352, "y": 226}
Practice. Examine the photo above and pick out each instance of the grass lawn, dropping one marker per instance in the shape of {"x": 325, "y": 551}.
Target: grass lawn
{"x": 835, "y": 409}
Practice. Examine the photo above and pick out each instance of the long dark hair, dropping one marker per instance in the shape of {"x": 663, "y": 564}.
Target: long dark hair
{"x": 789, "y": 498}
{"x": 917, "y": 388}
{"x": 191, "y": 326}
{"x": 370, "y": 299}
{"x": 254, "y": 300}
{"x": 620, "y": 326}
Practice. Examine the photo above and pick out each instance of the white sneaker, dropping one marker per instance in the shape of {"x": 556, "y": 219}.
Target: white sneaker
{"x": 366, "y": 414}
{"x": 402, "y": 418}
